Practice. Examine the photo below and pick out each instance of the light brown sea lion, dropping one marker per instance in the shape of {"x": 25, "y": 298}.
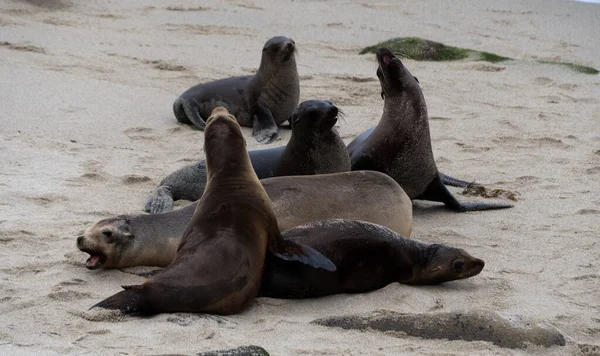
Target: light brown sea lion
{"x": 263, "y": 101}
{"x": 219, "y": 263}
{"x": 152, "y": 239}
{"x": 367, "y": 257}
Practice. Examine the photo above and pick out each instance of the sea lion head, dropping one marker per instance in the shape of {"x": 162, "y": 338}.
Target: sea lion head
{"x": 222, "y": 130}
{"x": 442, "y": 263}
{"x": 278, "y": 49}
{"x": 393, "y": 76}
{"x": 106, "y": 242}
{"x": 314, "y": 116}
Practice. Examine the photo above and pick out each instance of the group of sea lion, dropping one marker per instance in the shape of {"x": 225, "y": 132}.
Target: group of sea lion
{"x": 308, "y": 219}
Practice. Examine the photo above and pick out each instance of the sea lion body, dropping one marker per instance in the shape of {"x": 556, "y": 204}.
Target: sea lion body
{"x": 219, "y": 263}
{"x": 262, "y": 101}
{"x": 367, "y": 257}
{"x": 363, "y": 195}
{"x": 400, "y": 145}
{"x": 314, "y": 148}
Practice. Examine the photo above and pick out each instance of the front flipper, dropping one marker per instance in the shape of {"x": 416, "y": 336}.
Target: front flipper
{"x": 293, "y": 251}
{"x": 437, "y": 191}
{"x": 192, "y": 114}
{"x": 129, "y": 301}
{"x": 161, "y": 200}
{"x": 264, "y": 126}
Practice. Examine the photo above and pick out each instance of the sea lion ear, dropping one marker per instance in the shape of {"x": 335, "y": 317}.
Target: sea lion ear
{"x": 417, "y": 79}
{"x": 382, "y": 95}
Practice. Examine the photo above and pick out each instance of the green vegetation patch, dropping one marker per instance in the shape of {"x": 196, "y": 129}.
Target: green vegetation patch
{"x": 421, "y": 49}
{"x": 424, "y": 50}
{"x": 575, "y": 67}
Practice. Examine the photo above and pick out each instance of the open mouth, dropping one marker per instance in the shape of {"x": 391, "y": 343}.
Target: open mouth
{"x": 96, "y": 259}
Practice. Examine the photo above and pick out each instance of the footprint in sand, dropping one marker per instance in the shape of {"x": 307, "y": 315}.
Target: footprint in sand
{"x": 22, "y": 47}
{"x": 140, "y": 133}
{"x": 69, "y": 295}
{"x": 589, "y": 350}
{"x": 134, "y": 179}
{"x": 545, "y": 81}
{"x": 594, "y": 170}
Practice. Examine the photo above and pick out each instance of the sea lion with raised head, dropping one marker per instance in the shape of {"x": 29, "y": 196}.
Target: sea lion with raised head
{"x": 220, "y": 260}
{"x": 367, "y": 257}
{"x": 400, "y": 145}
{"x": 152, "y": 239}
{"x": 314, "y": 148}
{"x": 262, "y": 101}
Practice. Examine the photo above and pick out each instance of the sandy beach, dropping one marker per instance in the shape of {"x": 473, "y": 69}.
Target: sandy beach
{"x": 87, "y": 131}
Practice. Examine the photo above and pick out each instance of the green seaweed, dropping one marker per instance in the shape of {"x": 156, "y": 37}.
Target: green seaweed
{"x": 575, "y": 67}
{"x": 420, "y": 49}
{"x": 492, "y": 58}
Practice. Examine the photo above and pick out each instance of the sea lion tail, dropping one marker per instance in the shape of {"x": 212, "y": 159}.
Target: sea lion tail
{"x": 454, "y": 182}
{"x": 161, "y": 200}
{"x": 187, "y": 114}
{"x": 293, "y": 251}
{"x": 128, "y": 301}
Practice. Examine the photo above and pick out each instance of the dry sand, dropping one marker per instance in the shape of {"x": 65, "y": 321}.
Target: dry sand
{"x": 87, "y": 131}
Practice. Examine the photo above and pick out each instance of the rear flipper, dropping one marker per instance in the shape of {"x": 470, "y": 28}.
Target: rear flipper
{"x": 293, "y": 251}
{"x": 437, "y": 191}
{"x": 447, "y": 180}
{"x": 185, "y": 183}
{"x": 264, "y": 128}
{"x": 128, "y": 301}
{"x": 190, "y": 114}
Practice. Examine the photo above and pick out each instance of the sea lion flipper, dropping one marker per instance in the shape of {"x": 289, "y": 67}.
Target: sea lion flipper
{"x": 454, "y": 182}
{"x": 160, "y": 200}
{"x": 190, "y": 112}
{"x": 292, "y": 251}
{"x": 128, "y": 301}
{"x": 264, "y": 128}
{"x": 437, "y": 191}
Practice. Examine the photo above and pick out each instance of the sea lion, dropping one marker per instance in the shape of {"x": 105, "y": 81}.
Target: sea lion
{"x": 152, "y": 239}
{"x": 314, "y": 148}
{"x": 446, "y": 179}
{"x": 219, "y": 264}
{"x": 400, "y": 145}
{"x": 367, "y": 257}
{"x": 262, "y": 101}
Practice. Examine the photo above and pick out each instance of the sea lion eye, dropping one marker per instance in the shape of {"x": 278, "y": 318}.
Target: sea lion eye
{"x": 457, "y": 265}
{"x": 107, "y": 233}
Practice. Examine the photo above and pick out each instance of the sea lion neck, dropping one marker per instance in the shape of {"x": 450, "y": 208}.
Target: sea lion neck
{"x": 410, "y": 259}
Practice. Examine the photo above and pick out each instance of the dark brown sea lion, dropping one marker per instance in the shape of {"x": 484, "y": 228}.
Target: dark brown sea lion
{"x": 152, "y": 239}
{"x": 314, "y": 148}
{"x": 400, "y": 145}
{"x": 219, "y": 264}
{"x": 263, "y": 101}
{"x": 367, "y": 257}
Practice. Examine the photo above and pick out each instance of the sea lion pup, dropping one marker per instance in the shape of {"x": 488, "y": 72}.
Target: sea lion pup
{"x": 262, "y": 101}
{"x": 219, "y": 264}
{"x": 314, "y": 148}
{"x": 400, "y": 145}
{"x": 367, "y": 257}
{"x": 152, "y": 239}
